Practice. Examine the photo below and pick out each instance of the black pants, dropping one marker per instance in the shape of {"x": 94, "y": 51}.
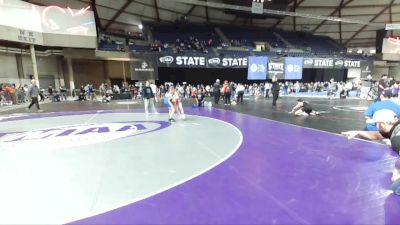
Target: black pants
{"x": 41, "y": 97}
{"x": 275, "y": 95}
{"x": 267, "y": 93}
{"x": 217, "y": 95}
{"x": 34, "y": 101}
{"x": 227, "y": 98}
{"x": 240, "y": 97}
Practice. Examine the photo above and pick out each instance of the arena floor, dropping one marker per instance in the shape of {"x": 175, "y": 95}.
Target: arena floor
{"x": 94, "y": 163}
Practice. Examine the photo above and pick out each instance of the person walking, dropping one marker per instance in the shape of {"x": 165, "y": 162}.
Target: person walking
{"x": 275, "y": 90}
{"x": 33, "y": 93}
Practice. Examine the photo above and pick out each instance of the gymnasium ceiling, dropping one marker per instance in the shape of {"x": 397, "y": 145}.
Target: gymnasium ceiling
{"x": 126, "y": 15}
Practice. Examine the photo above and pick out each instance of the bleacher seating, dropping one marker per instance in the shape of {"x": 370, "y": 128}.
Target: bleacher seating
{"x": 248, "y": 36}
{"x": 111, "y": 47}
{"x": 169, "y": 34}
{"x": 239, "y": 41}
{"x": 318, "y": 44}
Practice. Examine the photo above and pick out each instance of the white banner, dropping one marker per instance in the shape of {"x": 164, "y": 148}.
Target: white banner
{"x": 393, "y": 26}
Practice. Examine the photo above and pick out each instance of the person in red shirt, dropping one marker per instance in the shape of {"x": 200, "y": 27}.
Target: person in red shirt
{"x": 226, "y": 92}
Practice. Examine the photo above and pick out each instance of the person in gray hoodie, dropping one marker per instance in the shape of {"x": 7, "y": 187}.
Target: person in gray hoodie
{"x": 33, "y": 93}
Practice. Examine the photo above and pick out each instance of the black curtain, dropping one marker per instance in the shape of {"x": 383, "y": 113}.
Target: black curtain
{"x": 201, "y": 76}
{"x": 313, "y": 75}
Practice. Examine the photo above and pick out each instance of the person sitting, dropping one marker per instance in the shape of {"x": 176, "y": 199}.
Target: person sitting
{"x": 56, "y": 96}
{"x": 82, "y": 94}
{"x": 303, "y": 108}
{"x": 106, "y": 98}
{"x": 384, "y": 103}
{"x": 200, "y": 98}
{"x": 388, "y": 129}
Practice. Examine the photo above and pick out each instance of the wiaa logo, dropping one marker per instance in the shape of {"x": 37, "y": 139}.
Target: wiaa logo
{"x": 214, "y": 61}
{"x": 77, "y": 135}
{"x": 339, "y": 63}
{"x": 167, "y": 59}
{"x": 308, "y": 62}
{"x": 144, "y": 65}
{"x": 257, "y": 68}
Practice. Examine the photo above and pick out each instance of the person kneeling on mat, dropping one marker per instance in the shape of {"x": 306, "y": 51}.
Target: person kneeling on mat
{"x": 303, "y": 108}
{"x": 388, "y": 128}
{"x": 200, "y": 98}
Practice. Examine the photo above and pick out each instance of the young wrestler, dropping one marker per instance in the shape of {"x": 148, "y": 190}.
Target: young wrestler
{"x": 303, "y": 108}
{"x": 169, "y": 102}
{"x": 178, "y": 105}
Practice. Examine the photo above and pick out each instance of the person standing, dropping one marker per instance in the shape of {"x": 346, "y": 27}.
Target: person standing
{"x": 275, "y": 90}
{"x": 63, "y": 93}
{"x": 33, "y": 93}
{"x": 267, "y": 89}
{"x": 153, "y": 87}
{"x": 227, "y": 93}
{"x": 148, "y": 98}
{"x": 240, "y": 93}
{"x": 366, "y": 85}
{"x": 217, "y": 91}
{"x": 382, "y": 85}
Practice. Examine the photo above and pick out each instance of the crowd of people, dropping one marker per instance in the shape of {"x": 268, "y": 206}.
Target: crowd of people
{"x": 381, "y": 117}
{"x": 230, "y": 92}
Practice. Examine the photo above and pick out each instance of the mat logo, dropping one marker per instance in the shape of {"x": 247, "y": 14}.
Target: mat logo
{"x": 167, "y": 59}
{"x": 78, "y": 135}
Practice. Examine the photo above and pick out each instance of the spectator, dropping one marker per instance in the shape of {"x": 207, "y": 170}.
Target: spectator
{"x": 34, "y": 93}
{"x": 388, "y": 129}
{"x": 63, "y": 93}
{"x": 148, "y": 98}
{"x": 240, "y": 93}
{"x": 385, "y": 103}
{"x": 226, "y": 93}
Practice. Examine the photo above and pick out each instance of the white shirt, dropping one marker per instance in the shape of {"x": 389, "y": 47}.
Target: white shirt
{"x": 240, "y": 88}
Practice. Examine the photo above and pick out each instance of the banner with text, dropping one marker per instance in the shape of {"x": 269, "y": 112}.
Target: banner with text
{"x": 202, "y": 61}
{"x": 293, "y": 68}
{"x": 276, "y": 67}
{"x": 257, "y": 69}
{"x": 331, "y": 63}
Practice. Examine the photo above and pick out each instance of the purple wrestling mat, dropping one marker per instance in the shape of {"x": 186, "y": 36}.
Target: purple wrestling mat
{"x": 281, "y": 174}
